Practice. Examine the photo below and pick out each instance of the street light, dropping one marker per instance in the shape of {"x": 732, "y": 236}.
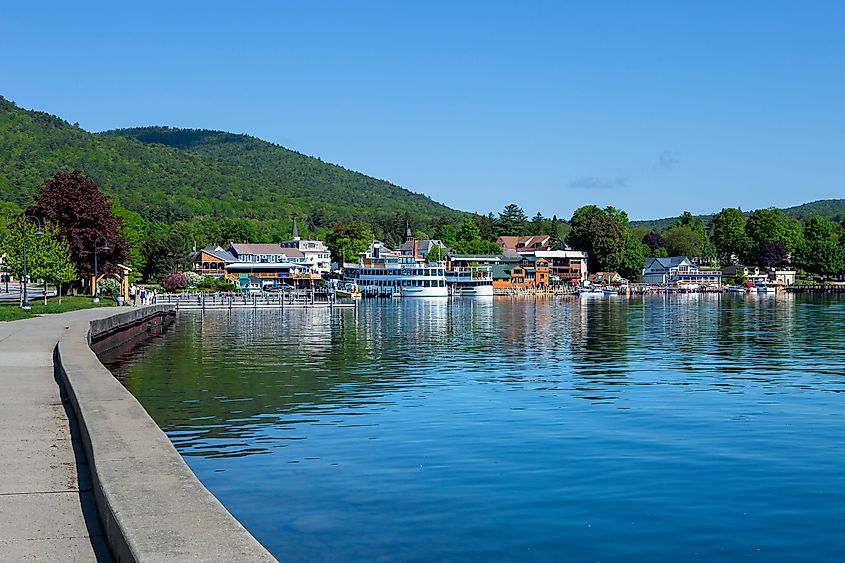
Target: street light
{"x": 38, "y": 231}
{"x": 97, "y": 248}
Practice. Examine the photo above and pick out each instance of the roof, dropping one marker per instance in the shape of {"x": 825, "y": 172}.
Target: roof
{"x": 218, "y": 252}
{"x": 265, "y": 266}
{"x": 481, "y": 258}
{"x": 500, "y": 271}
{"x": 560, "y": 254}
{"x": 523, "y": 241}
{"x": 669, "y": 262}
{"x": 423, "y": 245}
{"x": 256, "y": 248}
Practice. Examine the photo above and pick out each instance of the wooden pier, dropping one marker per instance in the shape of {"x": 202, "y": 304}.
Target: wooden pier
{"x": 817, "y": 288}
{"x": 287, "y": 300}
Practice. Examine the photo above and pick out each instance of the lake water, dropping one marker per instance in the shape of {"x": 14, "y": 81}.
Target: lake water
{"x": 691, "y": 427}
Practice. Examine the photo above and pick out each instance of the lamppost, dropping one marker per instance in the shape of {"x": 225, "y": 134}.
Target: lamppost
{"x": 97, "y": 248}
{"x": 38, "y": 231}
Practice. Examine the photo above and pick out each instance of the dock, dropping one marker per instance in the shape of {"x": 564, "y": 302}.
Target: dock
{"x": 287, "y": 300}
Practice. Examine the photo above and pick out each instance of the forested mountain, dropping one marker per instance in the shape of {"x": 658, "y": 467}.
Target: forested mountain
{"x": 832, "y": 209}
{"x": 176, "y": 174}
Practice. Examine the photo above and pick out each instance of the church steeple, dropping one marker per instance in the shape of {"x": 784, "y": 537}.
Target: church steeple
{"x": 408, "y": 234}
{"x": 295, "y": 230}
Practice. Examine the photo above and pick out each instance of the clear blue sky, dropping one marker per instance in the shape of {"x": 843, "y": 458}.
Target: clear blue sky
{"x": 654, "y": 107}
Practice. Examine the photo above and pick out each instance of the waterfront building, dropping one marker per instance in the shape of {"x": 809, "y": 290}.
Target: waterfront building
{"x": 605, "y": 278}
{"x": 565, "y": 265}
{"x": 411, "y": 246}
{"x": 751, "y": 273}
{"x": 312, "y": 252}
{"x": 665, "y": 270}
{"x": 529, "y": 272}
{"x": 678, "y": 270}
{"x": 524, "y": 244}
{"x": 212, "y": 261}
{"x": 272, "y": 264}
{"x": 783, "y": 276}
{"x": 272, "y": 274}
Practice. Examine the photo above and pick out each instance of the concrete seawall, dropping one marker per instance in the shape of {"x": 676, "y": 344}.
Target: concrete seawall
{"x": 150, "y": 504}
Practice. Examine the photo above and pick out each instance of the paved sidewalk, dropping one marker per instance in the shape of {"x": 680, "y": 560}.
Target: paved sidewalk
{"x": 47, "y": 510}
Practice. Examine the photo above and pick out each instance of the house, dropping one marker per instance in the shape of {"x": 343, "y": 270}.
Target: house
{"x": 523, "y": 244}
{"x": 605, "y": 278}
{"x": 782, "y": 276}
{"x": 750, "y": 273}
{"x": 271, "y": 264}
{"x": 529, "y": 272}
{"x": 212, "y": 261}
{"x": 411, "y": 246}
{"x": 664, "y": 270}
{"x": 455, "y": 261}
{"x": 422, "y": 247}
{"x": 678, "y": 270}
{"x": 565, "y": 265}
{"x": 263, "y": 253}
{"x": 312, "y": 252}
{"x": 272, "y": 274}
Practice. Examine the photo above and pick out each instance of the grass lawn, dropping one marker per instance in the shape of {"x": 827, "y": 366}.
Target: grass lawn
{"x": 13, "y": 312}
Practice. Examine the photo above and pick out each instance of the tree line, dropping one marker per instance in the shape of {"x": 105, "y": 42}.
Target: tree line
{"x": 76, "y": 214}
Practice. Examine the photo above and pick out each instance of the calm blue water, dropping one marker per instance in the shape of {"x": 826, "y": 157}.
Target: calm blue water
{"x": 699, "y": 427}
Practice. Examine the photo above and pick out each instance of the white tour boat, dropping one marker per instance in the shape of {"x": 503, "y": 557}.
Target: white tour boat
{"x": 388, "y": 275}
{"x": 473, "y": 281}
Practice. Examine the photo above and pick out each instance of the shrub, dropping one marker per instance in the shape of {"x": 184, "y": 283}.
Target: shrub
{"x": 175, "y": 281}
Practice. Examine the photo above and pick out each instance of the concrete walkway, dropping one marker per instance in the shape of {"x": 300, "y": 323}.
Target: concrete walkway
{"x": 47, "y": 510}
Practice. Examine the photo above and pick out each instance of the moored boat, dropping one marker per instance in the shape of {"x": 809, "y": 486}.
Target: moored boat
{"x": 388, "y": 275}
{"x": 474, "y": 281}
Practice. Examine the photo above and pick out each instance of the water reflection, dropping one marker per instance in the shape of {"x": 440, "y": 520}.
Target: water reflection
{"x": 473, "y": 415}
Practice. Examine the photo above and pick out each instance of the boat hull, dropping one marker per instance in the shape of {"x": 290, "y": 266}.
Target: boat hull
{"x": 424, "y": 292}
{"x": 474, "y": 291}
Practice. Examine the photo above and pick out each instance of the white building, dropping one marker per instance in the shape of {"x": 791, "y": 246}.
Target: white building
{"x": 313, "y": 251}
{"x": 666, "y": 270}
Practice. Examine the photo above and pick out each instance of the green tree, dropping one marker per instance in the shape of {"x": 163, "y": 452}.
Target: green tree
{"x": 538, "y": 224}
{"x": 237, "y": 230}
{"x": 729, "y": 234}
{"x": 602, "y": 234}
{"x": 683, "y": 241}
{"x": 446, "y": 234}
{"x": 47, "y": 254}
{"x": 691, "y": 223}
{"x": 469, "y": 231}
{"x": 773, "y": 225}
{"x": 823, "y": 256}
{"x": 634, "y": 258}
{"x": 167, "y": 253}
{"x": 436, "y": 254}
{"x": 818, "y": 229}
{"x": 348, "y": 240}
{"x": 135, "y": 230}
{"x": 470, "y": 240}
{"x": 512, "y": 220}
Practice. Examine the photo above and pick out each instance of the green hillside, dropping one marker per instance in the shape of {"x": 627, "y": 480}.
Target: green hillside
{"x": 175, "y": 174}
{"x": 832, "y": 209}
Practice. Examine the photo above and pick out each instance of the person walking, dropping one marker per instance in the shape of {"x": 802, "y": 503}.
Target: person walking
{"x": 133, "y": 294}
{"x": 143, "y": 296}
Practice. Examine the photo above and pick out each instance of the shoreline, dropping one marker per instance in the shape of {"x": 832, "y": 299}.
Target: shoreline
{"x": 150, "y": 504}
